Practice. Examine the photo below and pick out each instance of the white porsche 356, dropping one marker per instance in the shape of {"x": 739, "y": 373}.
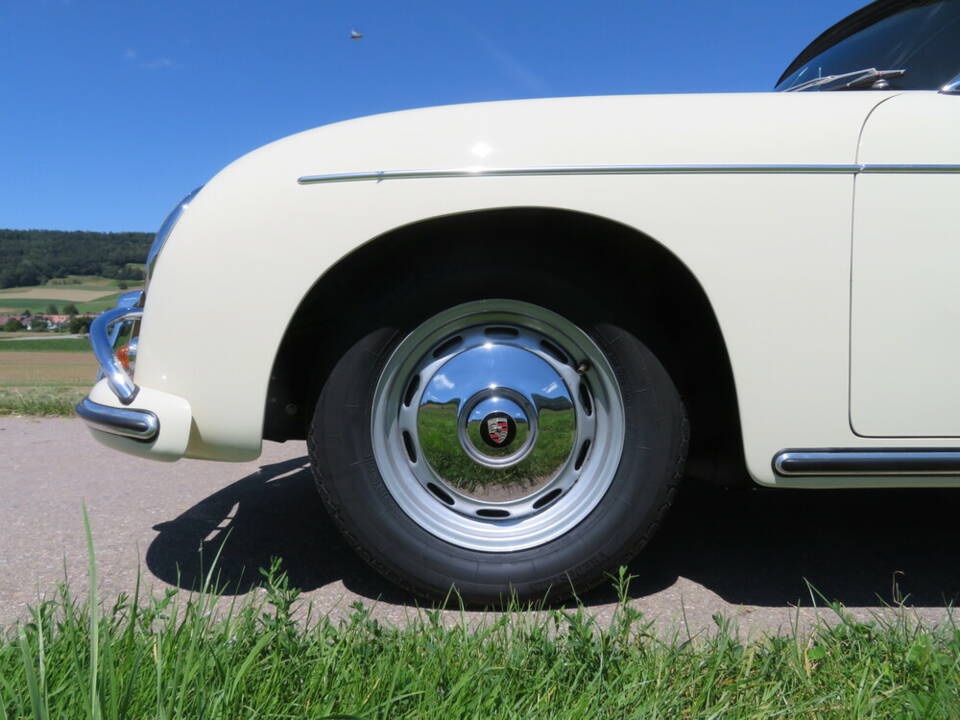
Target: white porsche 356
{"x": 507, "y": 330}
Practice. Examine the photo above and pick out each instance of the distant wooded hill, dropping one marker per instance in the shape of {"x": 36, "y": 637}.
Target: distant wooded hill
{"x": 31, "y": 257}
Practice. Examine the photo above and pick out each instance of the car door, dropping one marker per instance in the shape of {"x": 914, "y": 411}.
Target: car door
{"x": 905, "y": 284}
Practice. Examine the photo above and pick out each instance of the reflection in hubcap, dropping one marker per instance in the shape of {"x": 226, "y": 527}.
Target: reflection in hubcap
{"x": 481, "y": 422}
{"x": 497, "y": 425}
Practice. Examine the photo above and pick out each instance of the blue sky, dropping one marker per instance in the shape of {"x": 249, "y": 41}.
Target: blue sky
{"x": 112, "y": 111}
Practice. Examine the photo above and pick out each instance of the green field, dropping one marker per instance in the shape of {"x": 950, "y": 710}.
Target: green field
{"x": 13, "y": 306}
{"x": 49, "y": 376}
{"x": 18, "y": 299}
{"x": 76, "y": 282}
{"x": 44, "y": 377}
{"x": 89, "y": 282}
{"x": 54, "y": 344}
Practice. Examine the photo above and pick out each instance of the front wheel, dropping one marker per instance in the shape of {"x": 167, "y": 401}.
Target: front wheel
{"x": 498, "y": 449}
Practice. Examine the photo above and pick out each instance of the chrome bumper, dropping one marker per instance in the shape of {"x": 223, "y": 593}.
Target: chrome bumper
{"x": 104, "y": 331}
{"x": 137, "y": 424}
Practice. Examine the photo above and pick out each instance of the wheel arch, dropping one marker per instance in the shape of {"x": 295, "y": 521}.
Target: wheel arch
{"x": 653, "y": 293}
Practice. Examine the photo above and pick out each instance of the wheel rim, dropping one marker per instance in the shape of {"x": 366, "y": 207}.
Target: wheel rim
{"x": 497, "y": 425}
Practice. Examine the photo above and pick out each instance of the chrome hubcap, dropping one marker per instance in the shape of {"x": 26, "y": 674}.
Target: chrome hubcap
{"x": 497, "y": 425}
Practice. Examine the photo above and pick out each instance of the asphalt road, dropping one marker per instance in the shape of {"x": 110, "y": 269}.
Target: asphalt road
{"x": 746, "y": 554}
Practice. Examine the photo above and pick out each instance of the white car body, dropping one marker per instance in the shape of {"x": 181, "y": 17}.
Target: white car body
{"x": 815, "y": 223}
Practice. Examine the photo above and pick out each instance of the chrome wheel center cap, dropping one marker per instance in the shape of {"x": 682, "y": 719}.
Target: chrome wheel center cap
{"x": 497, "y": 427}
{"x": 498, "y": 430}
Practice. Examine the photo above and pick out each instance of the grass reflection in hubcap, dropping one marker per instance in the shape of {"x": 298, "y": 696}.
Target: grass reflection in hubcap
{"x": 436, "y": 424}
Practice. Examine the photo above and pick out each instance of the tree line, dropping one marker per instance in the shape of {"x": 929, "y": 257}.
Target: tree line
{"x": 31, "y": 257}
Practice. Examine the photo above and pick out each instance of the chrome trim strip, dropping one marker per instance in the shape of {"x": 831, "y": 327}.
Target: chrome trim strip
{"x": 952, "y": 87}
{"x": 901, "y": 169}
{"x": 917, "y": 462}
{"x": 137, "y": 424}
{"x": 576, "y": 170}
{"x": 850, "y": 169}
{"x": 102, "y": 340}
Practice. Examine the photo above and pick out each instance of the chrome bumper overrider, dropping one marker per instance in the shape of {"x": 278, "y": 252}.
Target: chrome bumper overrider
{"x": 137, "y": 424}
{"x": 104, "y": 331}
{"x": 126, "y": 422}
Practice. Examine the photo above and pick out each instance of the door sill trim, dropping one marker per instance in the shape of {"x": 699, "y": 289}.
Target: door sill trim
{"x": 914, "y": 462}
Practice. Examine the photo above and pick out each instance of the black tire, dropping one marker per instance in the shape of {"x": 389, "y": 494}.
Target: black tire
{"x": 625, "y": 518}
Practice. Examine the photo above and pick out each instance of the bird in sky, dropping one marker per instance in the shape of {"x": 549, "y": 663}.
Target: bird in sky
{"x": 354, "y": 35}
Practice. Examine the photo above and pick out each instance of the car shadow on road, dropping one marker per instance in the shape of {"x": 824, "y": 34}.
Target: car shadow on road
{"x": 274, "y": 512}
{"x": 773, "y": 548}
{"x": 749, "y": 546}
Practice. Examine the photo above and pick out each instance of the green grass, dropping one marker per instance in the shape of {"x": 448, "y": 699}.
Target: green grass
{"x": 44, "y": 401}
{"x": 52, "y": 345}
{"x": 185, "y": 656}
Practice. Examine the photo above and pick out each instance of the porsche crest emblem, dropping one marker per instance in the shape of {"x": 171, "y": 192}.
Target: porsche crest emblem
{"x": 498, "y": 429}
